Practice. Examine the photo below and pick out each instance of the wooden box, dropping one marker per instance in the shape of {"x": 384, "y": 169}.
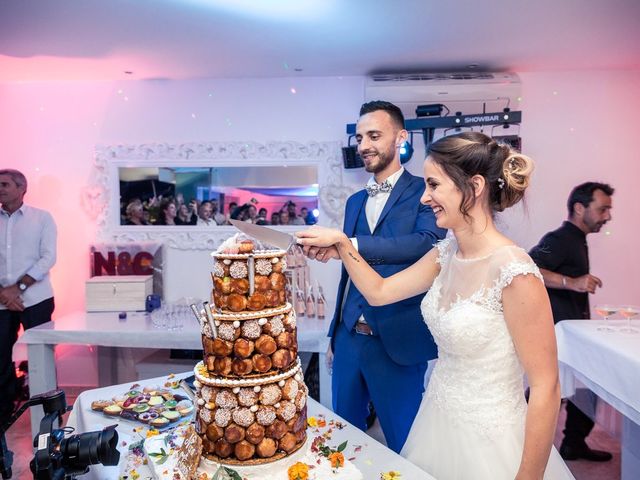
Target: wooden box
{"x": 117, "y": 293}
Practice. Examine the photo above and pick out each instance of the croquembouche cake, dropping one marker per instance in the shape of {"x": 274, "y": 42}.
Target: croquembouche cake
{"x": 251, "y": 397}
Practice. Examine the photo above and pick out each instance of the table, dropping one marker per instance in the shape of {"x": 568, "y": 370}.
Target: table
{"x": 371, "y": 459}
{"x": 608, "y": 363}
{"x": 108, "y": 332}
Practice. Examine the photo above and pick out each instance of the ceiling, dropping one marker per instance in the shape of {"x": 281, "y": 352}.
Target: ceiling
{"x": 42, "y": 40}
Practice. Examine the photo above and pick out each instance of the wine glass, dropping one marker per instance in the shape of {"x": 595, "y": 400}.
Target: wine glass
{"x": 605, "y": 311}
{"x": 628, "y": 312}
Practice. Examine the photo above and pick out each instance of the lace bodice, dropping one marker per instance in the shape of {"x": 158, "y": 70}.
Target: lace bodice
{"x": 478, "y": 378}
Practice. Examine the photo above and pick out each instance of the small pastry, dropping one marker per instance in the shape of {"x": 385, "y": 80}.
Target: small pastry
{"x": 236, "y": 303}
{"x": 278, "y": 281}
{"x": 270, "y": 395}
{"x": 219, "y": 269}
{"x": 222, "y": 365}
{"x": 209, "y": 360}
{"x": 265, "y": 415}
{"x": 257, "y": 301}
{"x": 214, "y": 432}
{"x": 207, "y": 393}
{"x": 99, "y": 405}
{"x": 281, "y": 358}
{"x": 146, "y": 417}
{"x": 206, "y": 416}
{"x": 240, "y": 285}
{"x": 129, "y": 415}
{"x": 227, "y": 331}
{"x": 159, "y": 422}
{"x": 234, "y": 433}
{"x": 238, "y": 269}
{"x": 184, "y": 410}
{"x": 247, "y": 397}
{"x": 282, "y": 297}
{"x": 274, "y": 326}
{"x": 246, "y": 246}
{"x": 300, "y": 421}
{"x": 263, "y": 266}
{"x": 141, "y": 407}
{"x": 244, "y": 450}
{"x": 276, "y": 430}
{"x": 285, "y": 340}
{"x": 266, "y": 345}
{"x": 287, "y": 442}
{"x": 224, "y": 286}
{"x": 171, "y": 415}
{"x": 207, "y": 344}
{"x": 220, "y": 300}
{"x": 208, "y": 446}
{"x": 223, "y": 448}
{"x": 266, "y": 448}
{"x": 222, "y": 417}
{"x": 254, "y": 433}
{"x": 301, "y": 435}
{"x": 286, "y": 411}
{"x": 241, "y": 366}
{"x": 290, "y": 389}
{"x": 251, "y": 329}
{"x": 244, "y": 417}
{"x": 243, "y": 348}
{"x": 262, "y": 283}
{"x": 226, "y": 399}
{"x": 222, "y": 348}
{"x": 301, "y": 400}
{"x": 261, "y": 363}
{"x": 273, "y": 298}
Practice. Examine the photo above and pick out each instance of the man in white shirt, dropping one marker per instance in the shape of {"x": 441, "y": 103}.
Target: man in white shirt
{"x": 205, "y": 213}
{"x": 27, "y": 253}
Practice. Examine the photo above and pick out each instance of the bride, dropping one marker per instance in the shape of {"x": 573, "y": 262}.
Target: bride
{"x": 489, "y": 313}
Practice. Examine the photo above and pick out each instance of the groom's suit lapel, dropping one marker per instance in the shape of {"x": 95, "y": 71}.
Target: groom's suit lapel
{"x": 401, "y": 185}
{"x": 351, "y": 215}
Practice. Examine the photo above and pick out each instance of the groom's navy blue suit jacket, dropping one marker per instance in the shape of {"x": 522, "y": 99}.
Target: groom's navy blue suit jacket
{"x": 406, "y": 231}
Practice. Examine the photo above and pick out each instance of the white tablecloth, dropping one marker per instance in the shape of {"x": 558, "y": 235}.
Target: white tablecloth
{"x": 371, "y": 457}
{"x": 608, "y": 363}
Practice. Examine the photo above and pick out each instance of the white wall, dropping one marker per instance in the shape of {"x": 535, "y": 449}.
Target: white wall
{"x": 578, "y": 126}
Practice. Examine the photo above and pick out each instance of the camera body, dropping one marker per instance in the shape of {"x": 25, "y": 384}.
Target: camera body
{"x": 59, "y": 457}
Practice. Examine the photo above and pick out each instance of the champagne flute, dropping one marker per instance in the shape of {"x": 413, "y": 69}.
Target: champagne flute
{"x": 628, "y": 312}
{"x": 605, "y": 311}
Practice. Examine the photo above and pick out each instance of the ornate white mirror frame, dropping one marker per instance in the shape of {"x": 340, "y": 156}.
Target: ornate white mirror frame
{"x": 101, "y": 197}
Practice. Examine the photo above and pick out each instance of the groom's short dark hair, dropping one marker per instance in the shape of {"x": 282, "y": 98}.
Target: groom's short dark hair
{"x": 394, "y": 112}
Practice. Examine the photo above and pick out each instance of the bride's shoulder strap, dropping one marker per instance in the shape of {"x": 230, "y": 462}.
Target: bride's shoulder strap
{"x": 446, "y": 248}
{"x": 511, "y": 262}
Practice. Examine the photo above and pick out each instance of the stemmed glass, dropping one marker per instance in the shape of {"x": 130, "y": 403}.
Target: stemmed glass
{"x": 605, "y": 311}
{"x": 628, "y": 312}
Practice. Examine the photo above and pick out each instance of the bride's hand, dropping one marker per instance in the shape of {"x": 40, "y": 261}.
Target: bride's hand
{"x": 319, "y": 237}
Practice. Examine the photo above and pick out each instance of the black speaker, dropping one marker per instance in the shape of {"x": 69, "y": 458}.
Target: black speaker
{"x": 351, "y": 158}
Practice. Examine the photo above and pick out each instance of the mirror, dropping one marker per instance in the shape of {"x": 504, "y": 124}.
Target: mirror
{"x": 209, "y": 196}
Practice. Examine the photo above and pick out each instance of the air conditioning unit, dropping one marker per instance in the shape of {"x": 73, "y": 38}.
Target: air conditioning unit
{"x": 472, "y": 92}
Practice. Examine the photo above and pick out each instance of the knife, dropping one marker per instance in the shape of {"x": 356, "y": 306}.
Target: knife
{"x": 264, "y": 234}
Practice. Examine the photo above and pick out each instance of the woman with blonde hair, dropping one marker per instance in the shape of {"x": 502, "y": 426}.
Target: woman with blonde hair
{"x": 489, "y": 313}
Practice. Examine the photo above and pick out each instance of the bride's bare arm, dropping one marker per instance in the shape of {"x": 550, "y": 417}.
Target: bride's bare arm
{"x": 527, "y": 313}
{"x": 376, "y": 289}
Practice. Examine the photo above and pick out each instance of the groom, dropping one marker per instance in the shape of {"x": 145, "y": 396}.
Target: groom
{"x": 381, "y": 353}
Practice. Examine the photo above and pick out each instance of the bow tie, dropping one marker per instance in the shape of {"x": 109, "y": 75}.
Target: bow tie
{"x": 373, "y": 188}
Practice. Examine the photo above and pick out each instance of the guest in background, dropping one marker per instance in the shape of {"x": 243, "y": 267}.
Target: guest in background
{"x": 262, "y": 217}
{"x": 284, "y": 217}
{"x": 563, "y": 258}
{"x": 135, "y": 214}
{"x": 230, "y": 210}
{"x": 168, "y": 213}
{"x": 294, "y": 219}
{"x": 275, "y": 218}
{"x": 204, "y": 215}
{"x": 219, "y": 218}
{"x": 27, "y": 254}
{"x": 252, "y": 214}
{"x": 187, "y": 214}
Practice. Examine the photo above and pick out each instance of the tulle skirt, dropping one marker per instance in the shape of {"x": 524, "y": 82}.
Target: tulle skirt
{"x": 448, "y": 450}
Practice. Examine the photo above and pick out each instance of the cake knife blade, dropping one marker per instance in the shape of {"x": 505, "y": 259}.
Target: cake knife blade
{"x": 265, "y": 234}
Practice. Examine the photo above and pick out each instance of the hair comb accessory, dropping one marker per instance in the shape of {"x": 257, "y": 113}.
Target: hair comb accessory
{"x": 501, "y": 183}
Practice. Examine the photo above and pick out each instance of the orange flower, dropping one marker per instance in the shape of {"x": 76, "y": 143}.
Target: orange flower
{"x": 298, "y": 471}
{"x": 336, "y": 459}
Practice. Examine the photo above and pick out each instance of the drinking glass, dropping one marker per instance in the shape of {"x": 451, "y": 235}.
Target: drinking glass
{"x": 628, "y": 312}
{"x": 605, "y": 311}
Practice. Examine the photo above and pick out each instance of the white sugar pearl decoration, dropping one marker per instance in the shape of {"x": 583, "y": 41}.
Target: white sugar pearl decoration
{"x": 281, "y": 383}
{"x": 236, "y": 324}
{"x": 257, "y": 388}
{"x": 254, "y": 408}
{"x": 217, "y": 323}
{"x": 227, "y": 261}
{"x": 197, "y": 384}
{"x": 298, "y": 377}
{"x": 201, "y": 402}
{"x": 262, "y": 321}
{"x": 277, "y": 405}
{"x": 275, "y": 260}
{"x": 236, "y": 390}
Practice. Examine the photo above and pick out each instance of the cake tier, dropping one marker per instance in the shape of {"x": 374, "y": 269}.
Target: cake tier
{"x": 251, "y": 281}
{"x": 251, "y": 343}
{"x": 251, "y": 421}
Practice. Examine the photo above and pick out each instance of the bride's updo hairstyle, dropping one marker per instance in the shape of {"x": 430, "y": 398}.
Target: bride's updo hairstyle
{"x": 506, "y": 171}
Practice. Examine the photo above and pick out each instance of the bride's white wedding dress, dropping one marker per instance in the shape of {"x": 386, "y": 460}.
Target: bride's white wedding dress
{"x": 472, "y": 418}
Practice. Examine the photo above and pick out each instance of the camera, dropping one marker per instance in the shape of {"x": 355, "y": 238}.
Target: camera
{"x": 59, "y": 457}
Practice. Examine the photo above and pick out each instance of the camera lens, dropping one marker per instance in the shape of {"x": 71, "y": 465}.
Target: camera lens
{"x": 80, "y": 451}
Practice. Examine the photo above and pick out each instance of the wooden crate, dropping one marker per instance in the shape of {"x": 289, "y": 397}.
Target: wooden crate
{"x": 117, "y": 293}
